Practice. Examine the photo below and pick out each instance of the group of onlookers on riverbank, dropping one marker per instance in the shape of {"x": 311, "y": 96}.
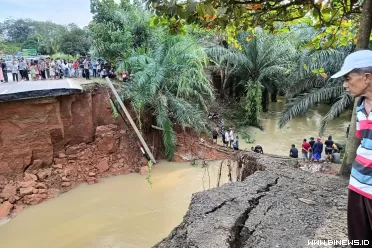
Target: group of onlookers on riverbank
{"x": 227, "y": 135}
{"x": 49, "y": 68}
{"x": 313, "y": 150}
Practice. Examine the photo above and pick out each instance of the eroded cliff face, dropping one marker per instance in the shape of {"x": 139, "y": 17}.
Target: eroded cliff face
{"x": 38, "y": 130}
{"x": 48, "y": 146}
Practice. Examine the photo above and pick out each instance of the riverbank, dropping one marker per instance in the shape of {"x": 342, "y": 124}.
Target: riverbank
{"x": 277, "y": 206}
{"x": 51, "y": 145}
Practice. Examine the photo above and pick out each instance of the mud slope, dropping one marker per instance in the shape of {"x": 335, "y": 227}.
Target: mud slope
{"x": 279, "y": 206}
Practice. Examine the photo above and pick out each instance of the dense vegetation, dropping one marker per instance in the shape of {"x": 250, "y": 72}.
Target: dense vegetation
{"x": 289, "y": 49}
{"x": 47, "y": 37}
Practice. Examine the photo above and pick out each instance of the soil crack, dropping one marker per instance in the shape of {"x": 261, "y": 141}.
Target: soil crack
{"x": 220, "y": 205}
{"x": 240, "y": 233}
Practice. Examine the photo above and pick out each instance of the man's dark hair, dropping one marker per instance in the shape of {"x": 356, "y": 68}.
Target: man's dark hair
{"x": 305, "y": 140}
{"x": 293, "y": 145}
{"x": 330, "y": 137}
{"x": 311, "y": 138}
{"x": 363, "y": 70}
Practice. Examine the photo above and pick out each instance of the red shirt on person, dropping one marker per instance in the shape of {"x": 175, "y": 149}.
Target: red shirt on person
{"x": 305, "y": 147}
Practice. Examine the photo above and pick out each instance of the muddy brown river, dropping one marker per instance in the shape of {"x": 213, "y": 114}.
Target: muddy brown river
{"x": 119, "y": 212}
{"x": 278, "y": 141}
{"x": 125, "y": 212}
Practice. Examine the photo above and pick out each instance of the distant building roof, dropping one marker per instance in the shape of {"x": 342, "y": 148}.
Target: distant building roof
{"x": 37, "y": 89}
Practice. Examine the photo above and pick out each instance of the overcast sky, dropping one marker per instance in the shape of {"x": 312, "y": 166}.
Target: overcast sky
{"x": 58, "y": 11}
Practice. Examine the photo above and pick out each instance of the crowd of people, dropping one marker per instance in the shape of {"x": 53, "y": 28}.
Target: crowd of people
{"x": 312, "y": 150}
{"x": 51, "y": 69}
{"x": 228, "y": 138}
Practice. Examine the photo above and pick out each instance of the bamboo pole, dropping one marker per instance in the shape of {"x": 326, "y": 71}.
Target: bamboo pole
{"x": 131, "y": 121}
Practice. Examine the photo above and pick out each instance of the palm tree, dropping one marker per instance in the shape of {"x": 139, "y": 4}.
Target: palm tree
{"x": 262, "y": 57}
{"x": 310, "y": 84}
{"x": 170, "y": 81}
{"x": 223, "y": 61}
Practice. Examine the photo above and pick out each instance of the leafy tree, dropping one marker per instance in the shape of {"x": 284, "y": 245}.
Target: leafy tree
{"x": 50, "y": 34}
{"x": 223, "y": 62}
{"x": 169, "y": 81}
{"x": 310, "y": 84}
{"x": 233, "y": 14}
{"x": 32, "y": 42}
{"x": 9, "y": 48}
{"x": 119, "y": 28}
{"x": 75, "y": 41}
{"x": 17, "y": 30}
{"x": 259, "y": 57}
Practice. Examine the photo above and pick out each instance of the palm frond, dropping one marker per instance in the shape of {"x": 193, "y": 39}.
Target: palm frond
{"x": 302, "y": 103}
{"x": 337, "y": 108}
{"x": 171, "y": 80}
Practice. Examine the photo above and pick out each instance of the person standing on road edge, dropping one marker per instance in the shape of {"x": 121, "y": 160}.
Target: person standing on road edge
{"x": 357, "y": 74}
{"x": 317, "y": 149}
{"x": 47, "y": 68}
{"x": 15, "y": 71}
{"x": 23, "y": 69}
{"x": 86, "y": 68}
{"x": 5, "y": 71}
{"x": 42, "y": 69}
{"x": 328, "y": 148}
{"x": 305, "y": 149}
{"x": 94, "y": 66}
{"x": 311, "y": 142}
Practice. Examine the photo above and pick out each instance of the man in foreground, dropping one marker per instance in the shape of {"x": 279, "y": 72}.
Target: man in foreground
{"x": 357, "y": 73}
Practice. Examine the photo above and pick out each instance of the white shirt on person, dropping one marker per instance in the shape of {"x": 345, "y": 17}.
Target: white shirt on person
{"x": 22, "y": 65}
{"x": 227, "y": 137}
{"x": 14, "y": 68}
{"x": 86, "y": 64}
{"x": 231, "y": 135}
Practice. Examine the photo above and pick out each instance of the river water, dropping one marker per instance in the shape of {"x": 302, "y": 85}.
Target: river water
{"x": 125, "y": 212}
{"x": 119, "y": 212}
{"x": 278, "y": 141}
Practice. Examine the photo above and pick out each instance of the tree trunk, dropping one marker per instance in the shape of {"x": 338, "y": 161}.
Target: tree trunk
{"x": 265, "y": 100}
{"x": 224, "y": 79}
{"x": 274, "y": 95}
{"x": 231, "y": 87}
{"x": 352, "y": 142}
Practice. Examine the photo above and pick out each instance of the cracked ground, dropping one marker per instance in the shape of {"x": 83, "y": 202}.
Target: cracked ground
{"x": 265, "y": 211}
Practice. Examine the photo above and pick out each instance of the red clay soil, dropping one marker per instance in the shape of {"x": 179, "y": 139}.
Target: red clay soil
{"x": 49, "y": 146}
{"x": 189, "y": 147}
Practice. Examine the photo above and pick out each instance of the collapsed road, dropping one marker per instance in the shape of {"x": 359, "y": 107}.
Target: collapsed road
{"x": 276, "y": 206}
